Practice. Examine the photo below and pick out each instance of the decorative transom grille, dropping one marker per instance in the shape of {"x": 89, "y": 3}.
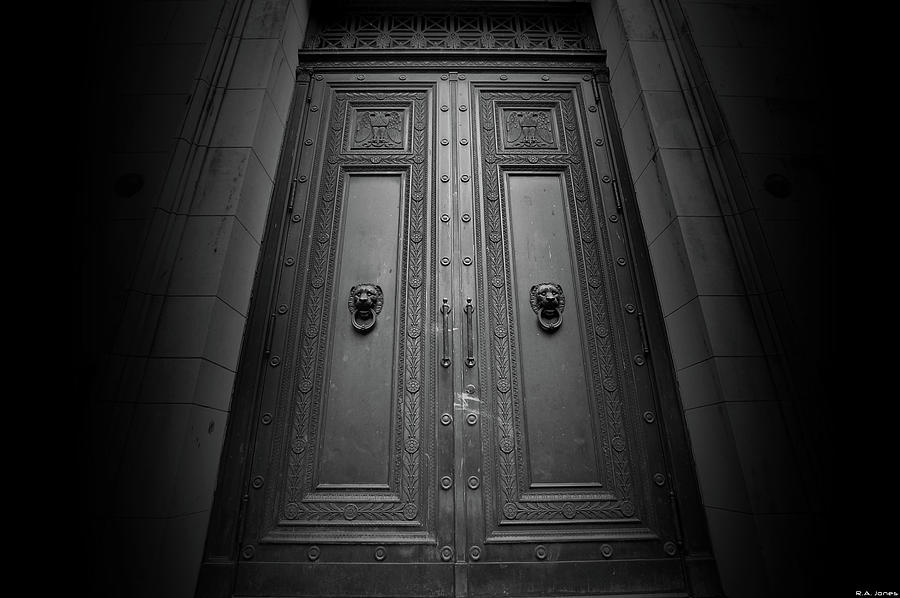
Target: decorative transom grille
{"x": 471, "y": 27}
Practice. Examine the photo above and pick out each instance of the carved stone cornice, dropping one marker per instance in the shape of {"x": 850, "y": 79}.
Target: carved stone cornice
{"x": 391, "y": 60}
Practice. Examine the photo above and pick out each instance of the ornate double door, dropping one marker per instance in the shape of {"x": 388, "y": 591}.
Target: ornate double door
{"x": 457, "y": 398}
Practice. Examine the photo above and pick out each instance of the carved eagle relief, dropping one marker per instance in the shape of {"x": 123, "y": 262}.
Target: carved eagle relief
{"x": 378, "y": 128}
{"x": 528, "y": 128}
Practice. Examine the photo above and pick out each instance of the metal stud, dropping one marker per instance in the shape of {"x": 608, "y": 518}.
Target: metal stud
{"x": 598, "y": 141}
{"x": 445, "y": 217}
{"x": 275, "y": 361}
{"x": 444, "y": 77}
{"x": 464, "y": 178}
{"x": 545, "y": 78}
{"x": 473, "y": 482}
{"x": 446, "y": 482}
{"x": 444, "y": 178}
{"x": 258, "y": 482}
{"x": 445, "y": 261}
{"x": 248, "y": 551}
{"x": 605, "y": 178}
{"x": 670, "y": 548}
{"x": 466, "y": 217}
{"x": 540, "y": 552}
{"x": 307, "y": 142}
{"x": 613, "y": 218}
{"x": 282, "y": 308}
{"x": 380, "y": 553}
{"x": 302, "y": 178}
{"x": 659, "y": 479}
{"x": 444, "y": 108}
{"x": 402, "y": 77}
{"x": 461, "y": 77}
{"x": 289, "y": 261}
{"x": 503, "y": 77}
{"x": 471, "y": 419}
{"x": 464, "y": 142}
{"x": 649, "y": 417}
{"x": 313, "y": 553}
{"x": 266, "y": 419}
{"x": 295, "y": 218}
{"x": 639, "y": 360}
{"x": 445, "y": 141}
{"x": 467, "y": 261}
{"x": 463, "y": 108}
{"x": 630, "y": 308}
{"x": 475, "y": 553}
{"x": 319, "y": 77}
{"x": 592, "y": 108}
{"x": 360, "y": 77}
{"x": 606, "y": 550}
{"x": 446, "y": 419}
{"x": 620, "y": 261}
{"x": 446, "y": 553}
{"x": 470, "y": 389}
{"x": 586, "y": 77}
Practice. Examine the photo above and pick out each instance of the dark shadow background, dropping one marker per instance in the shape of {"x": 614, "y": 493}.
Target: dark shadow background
{"x": 860, "y": 547}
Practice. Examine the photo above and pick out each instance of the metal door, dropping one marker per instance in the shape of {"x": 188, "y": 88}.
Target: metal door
{"x": 565, "y": 482}
{"x": 456, "y": 398}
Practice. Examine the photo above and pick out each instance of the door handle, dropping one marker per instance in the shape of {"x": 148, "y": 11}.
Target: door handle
{"x": 365, "y": 303}
{"x": 548, "y": 301}
{"x": 470, "y": 342}
{"x": 445, "y": 311}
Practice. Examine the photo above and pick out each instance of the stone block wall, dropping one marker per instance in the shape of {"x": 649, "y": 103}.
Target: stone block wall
{"x": 720, "y": 111}
{"x": 186, "y": 104}
{"x": 187, "y": 109}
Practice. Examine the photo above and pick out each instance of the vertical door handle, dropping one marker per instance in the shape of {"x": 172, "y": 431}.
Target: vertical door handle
{"x": 445, "y": 310}
{"x": 470, "y": 342}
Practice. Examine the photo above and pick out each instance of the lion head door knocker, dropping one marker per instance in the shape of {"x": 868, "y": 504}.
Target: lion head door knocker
{"x": 365, "y": 304}
{"x": 548, "y": 302}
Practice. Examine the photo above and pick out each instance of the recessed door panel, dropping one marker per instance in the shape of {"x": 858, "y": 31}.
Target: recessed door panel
{"x": 555, "y": 394}
{"x": 357, "y": 402}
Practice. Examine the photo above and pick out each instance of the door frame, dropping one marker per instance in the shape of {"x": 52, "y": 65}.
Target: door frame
{"x": 222, "y": 552}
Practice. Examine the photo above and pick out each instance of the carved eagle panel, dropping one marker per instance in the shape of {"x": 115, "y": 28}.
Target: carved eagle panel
{"x": 528, "y": 128}
{"x": 378, "y": 128}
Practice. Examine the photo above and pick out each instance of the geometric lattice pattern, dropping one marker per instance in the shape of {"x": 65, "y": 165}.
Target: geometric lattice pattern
{"x": 482, "y": 27}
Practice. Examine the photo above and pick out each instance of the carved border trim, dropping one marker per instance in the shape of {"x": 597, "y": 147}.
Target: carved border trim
{"x": 604, "y": 384}
{"x": 299, "y": 504}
